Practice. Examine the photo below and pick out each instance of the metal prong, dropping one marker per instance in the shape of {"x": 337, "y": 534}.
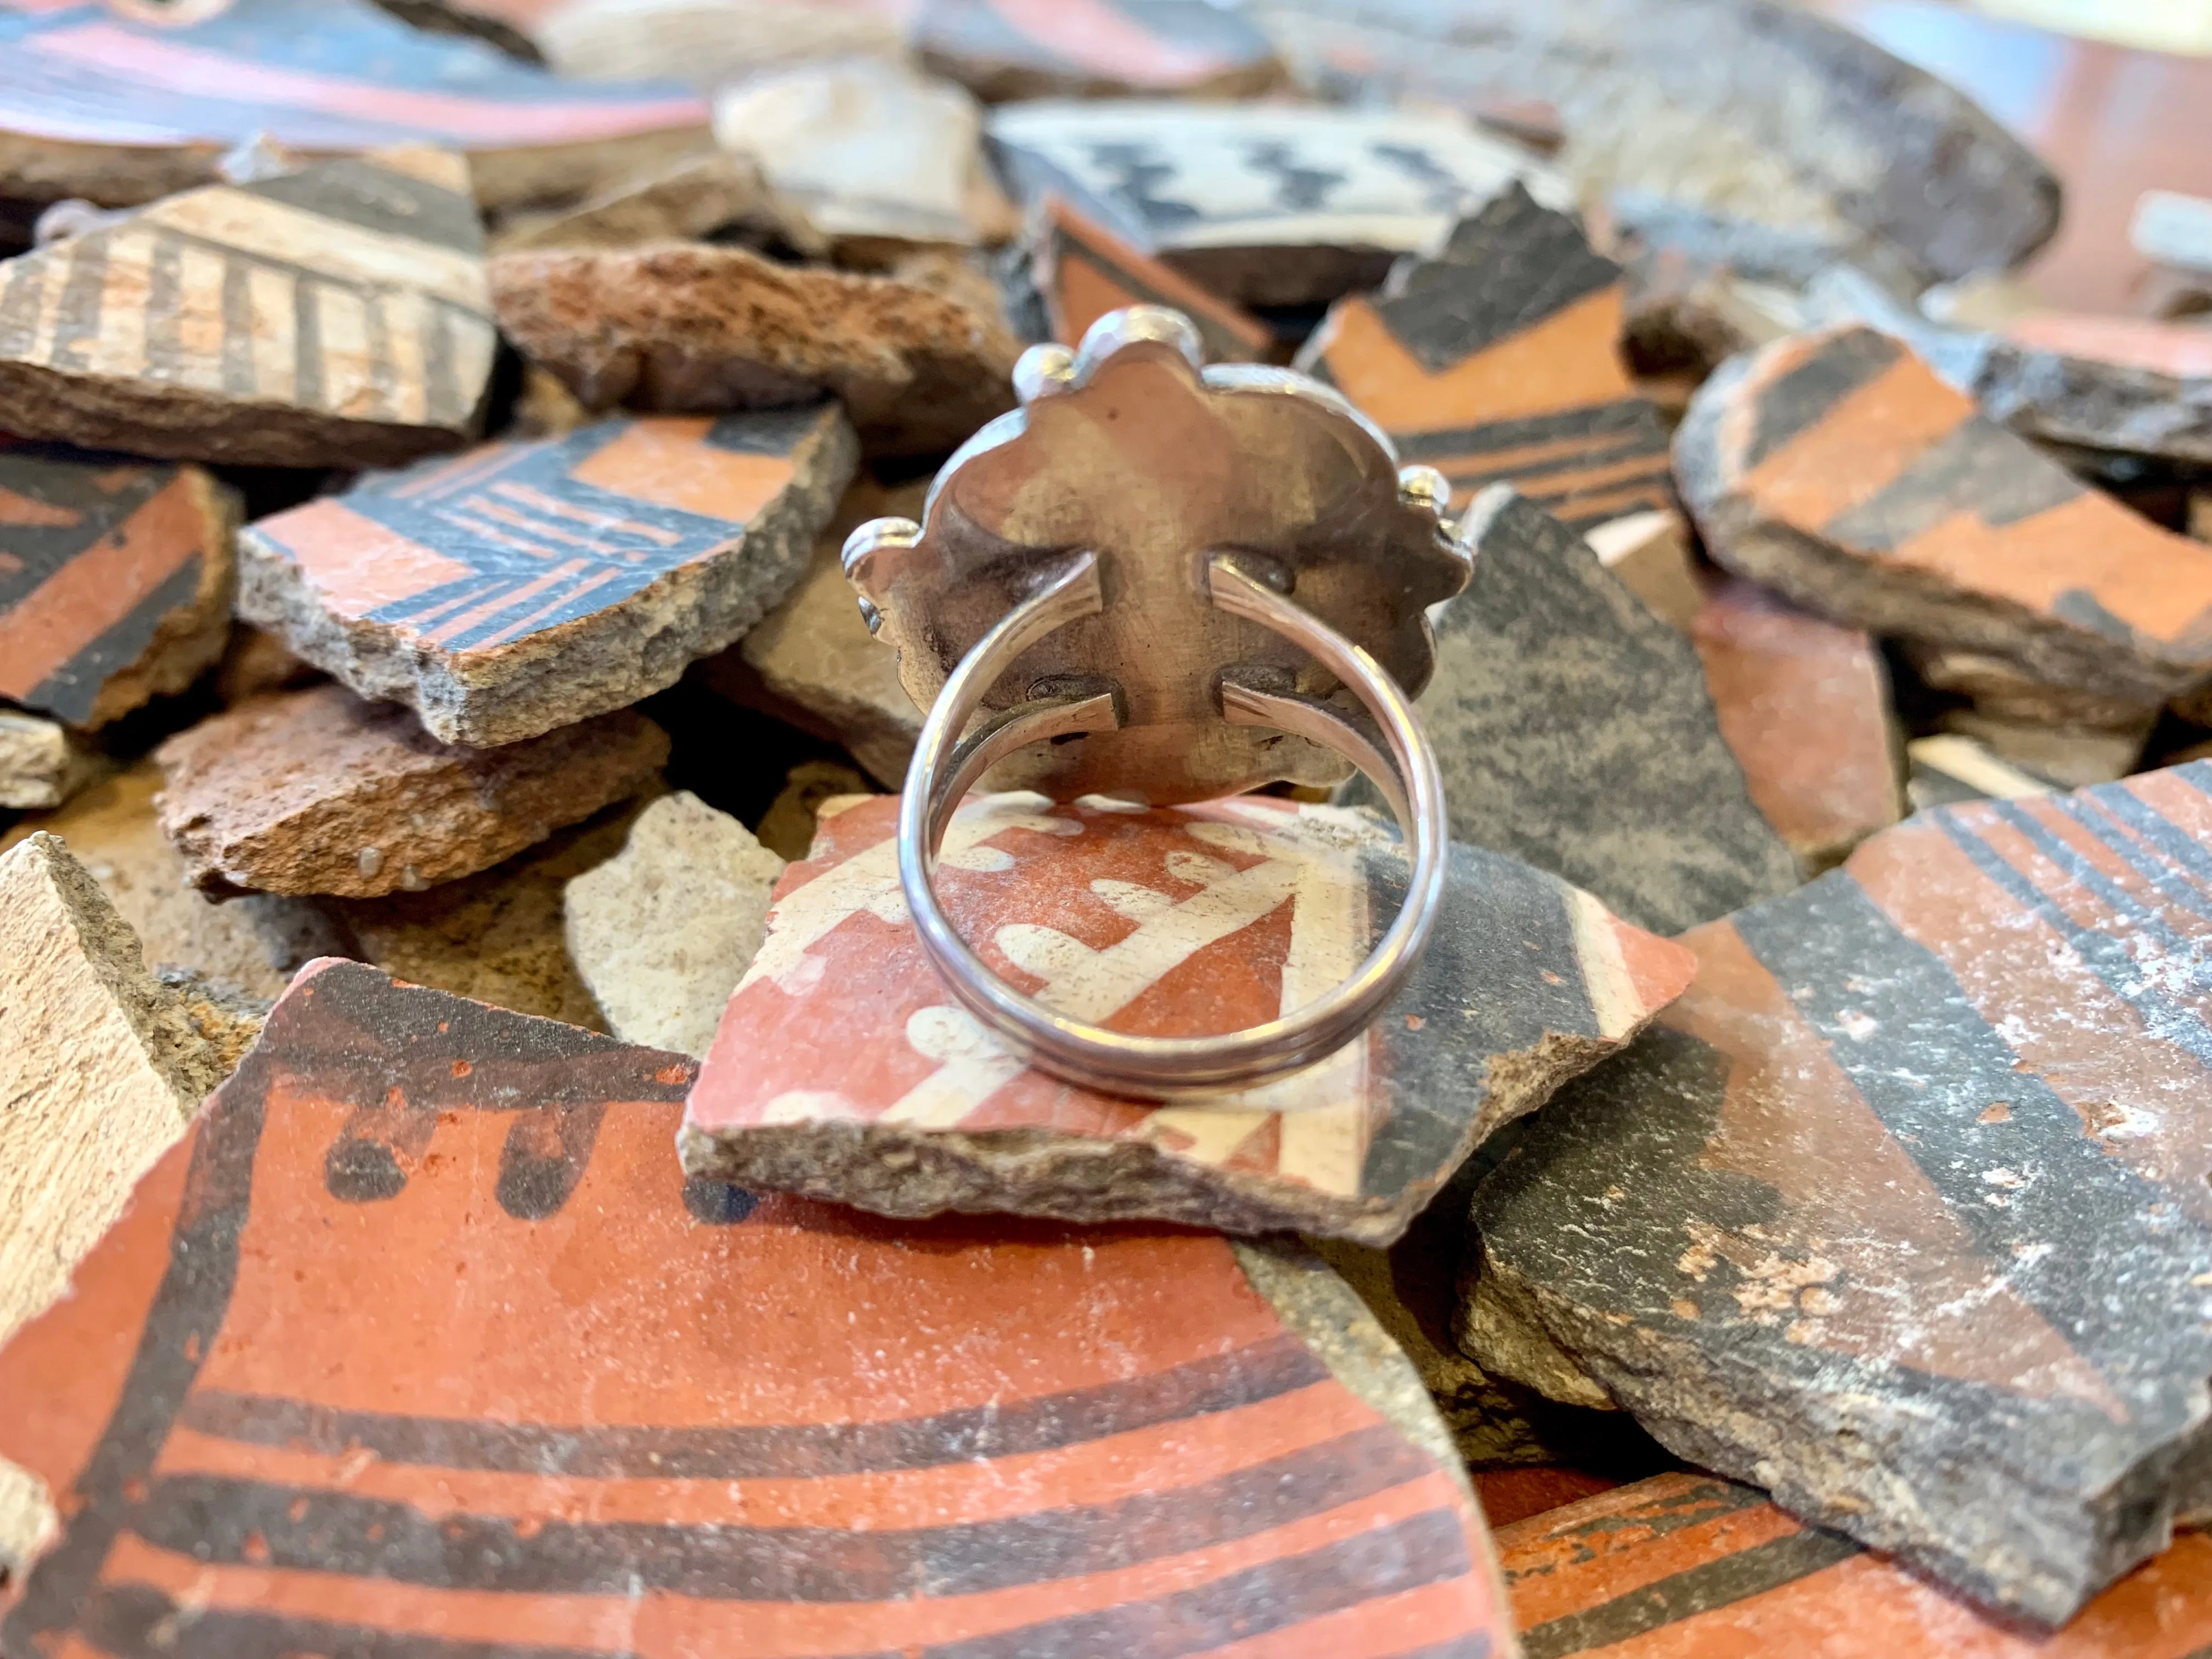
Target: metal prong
{"x": 867, "y": 537}
{"x": 1042, "y": 370}
{"x": 1131, "y": 325}
{"x": 1424, "y": 486}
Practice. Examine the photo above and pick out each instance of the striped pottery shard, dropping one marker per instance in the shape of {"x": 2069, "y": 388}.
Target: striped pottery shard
{"x": 1804, "y": 704}
{"x": 335, "y": 316}
{"x": 1837, "y": 468}
{"x": 421, "y": 1341}
{"x": 1575, "y": 730}
{"x": 1685, "y": 1564}
{"x": 1903, "y": 1210}
{"x": 1498, "y": 361}
{"x": 1263, "y": 204}
{"x": 844, "y": 1069}
{"x": 1007, "y": 49}
{"x": 115, "y": 579}
{"x": 530, "y": 584}
{"x": 1082, "y": 270}
{"x": 121, "y": 106}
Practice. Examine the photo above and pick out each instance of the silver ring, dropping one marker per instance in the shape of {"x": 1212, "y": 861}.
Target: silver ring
{"x": 1168, "y": 671}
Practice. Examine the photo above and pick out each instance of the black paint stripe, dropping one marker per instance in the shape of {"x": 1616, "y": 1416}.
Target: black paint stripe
{"x": 2125, "y": 908}
{"x": 2159, "y": 851}
{"x": 219, "y": 1520}
{"x": 1800, "y": 399}
{"x": 165, "y": 307}
{"x": 73, "y": 688}
{"x": 442, "y": 403}
{"x": 239, "y": 378}
{"x": 1928, "y": 1067}
{"x": 1587, "y": 420}
{"x": 1278, "y": 1595}
{"x": 76, "y": 314}
{"x": 1202, "y": 1387}
{"x": 360, "y": 193}
{"x": 307, "y": 341}
{"x": 1701, "y": 1589}
{"x": 383, "y": 372}
{"x": 138, "y": 1622}
{"x": 1977, "y": 467}
{"x": 180, "y": 1330}
{"x": 1637, "y": 447}
{"x": 1707, "y": 1500}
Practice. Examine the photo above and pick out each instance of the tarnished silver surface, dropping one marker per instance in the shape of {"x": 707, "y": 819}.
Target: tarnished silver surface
{"x": 1190, "y": 583}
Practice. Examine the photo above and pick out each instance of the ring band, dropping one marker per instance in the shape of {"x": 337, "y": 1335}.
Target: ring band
{"x": 1389, "y": 746}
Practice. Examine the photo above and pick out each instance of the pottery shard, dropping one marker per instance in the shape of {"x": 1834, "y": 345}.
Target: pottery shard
{"x": 1836, "y": 467}
{"x": 695, "y": 1419}
{"x": 1804, "y": 704}
{"x": 1864, "y": 1196}
{"x": 1121, "y": 48}
{"x": 1081, "y": 270}
{"x": 696, "y": 196}
{"x": 319, "y": 791}
{"x": 530, "y": 585}
{"x": 99, "y": 1069}
{"x": 1263, "y": 204}
{"x": 918, "y": 364}
{"x": 1498, "y": 361}
{"x": 41, "y": 762}
{"x": 1650, "y": 554}
{"x": 663, "y": 931}
{"x": 1575, "y": 731}
{"x": 710, "y": 43}
{"x": 841, "y": 1069}
{"x": 178, "y": 330}
{"x": 123, "y": 107}
{"x": 115, "y": 579}
{"x": 1795, "y": 125}
{"x": 1685, "y": 1564}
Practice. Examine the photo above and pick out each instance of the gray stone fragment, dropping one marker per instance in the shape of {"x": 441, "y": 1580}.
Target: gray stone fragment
{"x": 663, "y": 931}
{"x": 1575, "y": 731}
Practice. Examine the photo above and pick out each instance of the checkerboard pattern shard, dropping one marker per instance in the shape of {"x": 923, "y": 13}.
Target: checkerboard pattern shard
{"x": 1498, "y": 361}
{"x": 693, "y": 1421}
{"x": 1868, "y": 1195}
{"x": 122, "y": 107}
{"x": 1684, "y": 1565}
{"x": 1084, "y": 270}
{"x": 1836, "y": 467}
{"x": 530, "y": 584}
{"x": 337, "y": 316}
{"x": 843, "y": 1069}
{"x": 115, "y": 579}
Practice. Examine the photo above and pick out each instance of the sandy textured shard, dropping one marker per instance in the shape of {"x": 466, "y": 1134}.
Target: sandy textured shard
{"x": 1082, "y": 270}
{"x": 1684, "y": 1563}
{"x": 333, "y": 316}
{"x": 1005, "y": 49}
{"x": 123, "y": 107}
{"x": 1804, "y": 704}
{"x": 1263, "y": 204}
{"x": 531, "y": 584}
{"x": 1867, "y": 1191}
{"x": 319, "y": 791}
{"x": 1837, "y": 468}
{"x": 693, "y": 1421}
{"x": 843, "y": 1069}
{"x": 115, "y": 578}
{"x": 677, "y": 202}
{"x": 1575, "y": 731}
{"x": 663, "y": 931}
{"x": 1648, "y": 554}
{"x": 98, "y": 1068}
{"x": 1813, "y": 138}
{"x": 711, "y": 43}
{"x": 920, "y": 358}
{"x": 1498, "y": 361}
{"x": 42, "y": 763}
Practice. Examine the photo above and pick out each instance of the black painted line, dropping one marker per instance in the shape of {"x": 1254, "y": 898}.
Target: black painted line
{"x": 138, "y": 1622}
{"x": 77, "y": 312}
{"x": 1700, "y": 1589}
{"x": 1798, "y": 400}
{"x": 1585, "y": 421}
{"x": 71, "y": 689}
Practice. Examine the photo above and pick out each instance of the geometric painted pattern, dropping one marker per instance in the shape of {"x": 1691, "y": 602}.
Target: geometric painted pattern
{"x": 420, "y": 1344}
{"x": 1083, "y": 271}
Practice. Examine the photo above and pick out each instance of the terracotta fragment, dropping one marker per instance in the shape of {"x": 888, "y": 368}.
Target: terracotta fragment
{"x": 42, "y": 763}
{"x": 115, "y": 579}
{"x": 663, "y": 931}
{"x": 531, "y": 584}
{"x": 1262, "y": 203}
{"x": 1007, "y": 49}
{"x": 694, "y": 1420}
{"x": 319, "y": 791}
{"x": 679, "y": 202}
{"x": 1835, "y": 467}
{"x": 1082, "y": 270}
{"x": 1498, "y": 361}
{"x": 1867, "y": 1189}
{"x": 918, "y": 364}
{"x": 842, "y": 1070}
{"x": 1575, "y": 731}
{"x": 123, "y": 107}
{"x": 1683, "y": 1563}
{"x": 333, "y": 316}
{"x": 99, "y": 1069}
{"x": 1804, "y": 705}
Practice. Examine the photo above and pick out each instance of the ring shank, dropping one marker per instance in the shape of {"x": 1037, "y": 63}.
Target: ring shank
{"x": 1392, "y": 750}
